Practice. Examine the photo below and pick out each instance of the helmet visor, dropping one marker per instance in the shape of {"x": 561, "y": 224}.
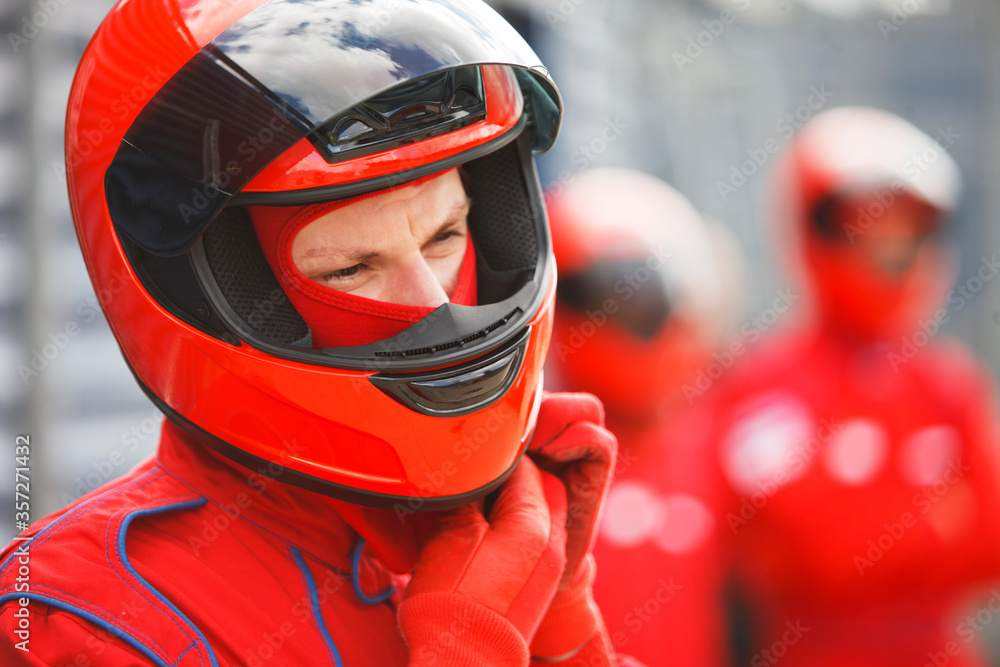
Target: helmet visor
{"x": 280, "y": 74}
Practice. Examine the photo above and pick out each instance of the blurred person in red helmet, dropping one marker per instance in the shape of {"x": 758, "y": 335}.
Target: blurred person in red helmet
{"x": 333, "y": 275}
{"x": 859, "y": 444}
{"x": 644, "y": 291}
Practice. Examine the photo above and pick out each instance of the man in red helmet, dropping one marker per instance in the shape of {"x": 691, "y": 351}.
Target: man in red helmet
{"x": 644, "y": 289}
{"x": 865, "y": 497}
{"x": 345, "y": 331}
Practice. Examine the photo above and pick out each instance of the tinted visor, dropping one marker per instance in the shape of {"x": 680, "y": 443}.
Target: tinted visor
{"x": 293, "y": 69}
{"x": 627, "y": 291}
{"x": 843, "y": 217}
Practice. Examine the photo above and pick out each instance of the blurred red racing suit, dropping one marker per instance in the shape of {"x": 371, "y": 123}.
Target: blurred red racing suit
{"x": 861, "y": 450}
{"x": 659, "y": 546}
{"x": 641, "y": 304}
{"x": 866, "y": 500}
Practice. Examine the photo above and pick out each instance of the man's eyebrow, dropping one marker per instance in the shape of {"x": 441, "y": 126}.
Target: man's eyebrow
{"x": 358, "y": 255}
{"x": 355, "y": 255}
{"x": 458, "y": 210}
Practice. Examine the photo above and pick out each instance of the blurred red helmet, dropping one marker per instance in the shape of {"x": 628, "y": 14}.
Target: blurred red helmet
{"x": 862, "y": 195}
{"x": 642, "y": 292}
{"x": 182, "y": 114}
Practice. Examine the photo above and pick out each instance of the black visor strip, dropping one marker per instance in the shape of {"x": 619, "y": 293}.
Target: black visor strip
{"x": 163, "y": 188}
{"x": 641, "y": 300}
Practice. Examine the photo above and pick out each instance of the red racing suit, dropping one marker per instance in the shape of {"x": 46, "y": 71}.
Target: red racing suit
{"x": 865, "y": 504}
{"x": 192, "y": 560}
{"x": 659, "y": 562}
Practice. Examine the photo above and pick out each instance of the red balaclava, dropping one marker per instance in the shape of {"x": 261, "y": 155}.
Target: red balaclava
{"x": 858, "y": 296}
{"x": 336, "y": 318}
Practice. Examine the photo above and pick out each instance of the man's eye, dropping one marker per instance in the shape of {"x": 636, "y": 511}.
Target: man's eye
{"x": 444, "y": 236}
{"x": 341, "y": 274}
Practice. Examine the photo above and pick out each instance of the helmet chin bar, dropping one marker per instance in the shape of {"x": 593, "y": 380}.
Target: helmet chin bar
{"x": 323, "y": 487}
{"x": 457, "y": 390}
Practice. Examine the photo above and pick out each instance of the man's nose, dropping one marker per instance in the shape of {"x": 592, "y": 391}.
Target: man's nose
{"x": 416, "y": 284}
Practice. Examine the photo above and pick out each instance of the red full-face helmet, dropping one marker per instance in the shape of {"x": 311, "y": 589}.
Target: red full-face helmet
{"x": 645, "y": 288}
{"x": 185, "y": 112}
{"x": 862, "y": 197}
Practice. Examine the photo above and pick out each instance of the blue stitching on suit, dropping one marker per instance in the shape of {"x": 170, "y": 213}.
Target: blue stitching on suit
{"x": 317, "y": 612}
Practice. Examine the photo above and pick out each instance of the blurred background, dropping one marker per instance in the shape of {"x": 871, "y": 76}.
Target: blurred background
{"x": 687, "y": 90}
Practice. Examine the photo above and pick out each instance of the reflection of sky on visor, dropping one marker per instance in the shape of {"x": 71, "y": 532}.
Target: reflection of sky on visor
{"x": 348, "y": 51}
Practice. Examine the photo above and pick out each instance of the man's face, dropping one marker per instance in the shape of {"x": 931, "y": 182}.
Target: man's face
{"x": 404, "y": 246}
{"x": 882, "y": 264}
{"x": 891, "y": 240}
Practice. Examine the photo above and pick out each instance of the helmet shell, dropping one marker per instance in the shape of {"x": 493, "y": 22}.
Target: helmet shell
{"x": 645, "y": 288}
{"x": 182, "y": 113}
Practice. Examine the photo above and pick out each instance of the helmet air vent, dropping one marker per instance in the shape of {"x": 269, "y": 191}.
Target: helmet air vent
{"x": 426, "y": 107}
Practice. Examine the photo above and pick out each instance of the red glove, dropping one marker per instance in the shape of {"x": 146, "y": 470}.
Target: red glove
{"x": 571, "y": 442}
{"x": 482, "y": 585}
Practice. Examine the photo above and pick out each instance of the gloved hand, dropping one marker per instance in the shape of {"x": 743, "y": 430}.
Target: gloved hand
{"x": 571, "y": 442}
{"x": 482, "y": 584}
